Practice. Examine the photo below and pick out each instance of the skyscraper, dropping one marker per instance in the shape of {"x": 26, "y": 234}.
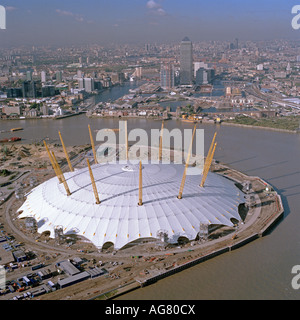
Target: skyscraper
{"x": 58, "y": 76}
{"x": 43, "y": 76}
{"x": 167, "y": 76}
{"x": 201, "y": 76}
{"x": 29, "y": 89}
{"x": 29, "y": 75}
{"x": 186, "y": 62}
{"x": 86, "y": 84}
{"x": 204, "y": 75}
{"x": 89, "y": 84}
{"x": 236, "y": 43}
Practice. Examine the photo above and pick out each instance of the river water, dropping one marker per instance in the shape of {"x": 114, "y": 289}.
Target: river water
{"x": 259, "y": 270}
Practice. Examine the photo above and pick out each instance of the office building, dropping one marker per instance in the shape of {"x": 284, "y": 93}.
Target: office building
{"x": 43, "y": 76}
{"x": 58, "y": 76}
{"x": 29, "y": 89}
{"x": 198, "y": 65}
{"x": 201, "y": 76}
{"x": 186, "y": 62}
{"x": 204, "y": 76}
{"x": 236, "y": 43}
{"x": 81, "y": 83}
{"x": 29, "y": 75}
{"x": 48, "y": 91}
{"x": 14, "y": 93}
{"x": 89, "y": 84}
{"x": 167, "y": 76}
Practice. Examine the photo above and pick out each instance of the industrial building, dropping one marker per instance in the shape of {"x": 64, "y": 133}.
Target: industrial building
{"x": 63, "y": 283}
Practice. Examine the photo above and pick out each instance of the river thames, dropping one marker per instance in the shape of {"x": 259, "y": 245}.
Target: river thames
{"x": 259, "y": 270}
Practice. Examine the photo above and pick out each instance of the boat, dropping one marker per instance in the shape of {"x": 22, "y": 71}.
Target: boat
{"x": 206, "y": 88}
{"x": 16, "y": 129}
{"x": 115, "y": 130}
{"x": 13, "y": 139}
{"x": 187, "y": 120}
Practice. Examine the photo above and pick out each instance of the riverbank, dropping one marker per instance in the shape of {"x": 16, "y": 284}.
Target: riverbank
{"x": 259, "y": 127}
{"x": 281, "y": 124}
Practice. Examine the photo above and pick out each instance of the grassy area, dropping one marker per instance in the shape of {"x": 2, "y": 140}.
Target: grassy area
{"x": 107, "y": 295}
{"x": 5, "y": 173}
{"x": 287, "y": 123}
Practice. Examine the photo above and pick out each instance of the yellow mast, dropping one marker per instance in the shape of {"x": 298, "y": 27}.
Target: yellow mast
{"x": 93, "y": 183}
{"x": 126, "y": 140}
{"x": 160, "y": 141}
{"x": 93, "y": 145}
{"x": 66, "y": 153}
{"x": 61, "y": 175}
{"x": 205, "y": 173}
{"x": 140, "y": 186}
{"x": 209, "y": 151}
{"x": 186, "y": 166}
{"x": 52, "y": 162}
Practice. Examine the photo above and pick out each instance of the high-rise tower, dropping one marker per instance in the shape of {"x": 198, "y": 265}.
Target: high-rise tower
{"x": 167, "y": 76}
{"x": 186, "y": 62}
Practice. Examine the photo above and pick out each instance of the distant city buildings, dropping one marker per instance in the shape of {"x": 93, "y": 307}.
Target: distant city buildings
{"x": 54, "y": 78}
{"x": 138, "y": 72}
{"x": 235, "y": 44}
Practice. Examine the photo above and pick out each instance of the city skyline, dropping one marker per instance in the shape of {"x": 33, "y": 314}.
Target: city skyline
{"x": 144, "y": 21}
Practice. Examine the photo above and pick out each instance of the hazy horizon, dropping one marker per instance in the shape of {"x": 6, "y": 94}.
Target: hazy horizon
{"x": 36, "y": 22}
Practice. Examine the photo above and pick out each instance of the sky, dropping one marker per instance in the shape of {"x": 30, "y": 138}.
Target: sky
{"x": 71, "y": 22}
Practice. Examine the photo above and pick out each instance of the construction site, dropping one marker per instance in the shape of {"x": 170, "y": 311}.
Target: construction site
{"x": 98, "y": 230}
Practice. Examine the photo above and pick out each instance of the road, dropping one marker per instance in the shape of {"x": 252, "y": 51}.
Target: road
{"x": 255, "y": 91}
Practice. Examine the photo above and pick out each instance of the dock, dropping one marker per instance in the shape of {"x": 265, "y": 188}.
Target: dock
{"x": 69, "y": 115}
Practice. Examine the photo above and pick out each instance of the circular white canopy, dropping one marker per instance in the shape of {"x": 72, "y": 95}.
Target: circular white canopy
{"x": 118, "y": 218}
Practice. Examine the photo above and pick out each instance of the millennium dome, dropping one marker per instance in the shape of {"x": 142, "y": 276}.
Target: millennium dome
{"x": 119, "y": 218}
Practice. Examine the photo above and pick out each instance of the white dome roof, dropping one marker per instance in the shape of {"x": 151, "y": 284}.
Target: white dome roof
{"x": 118, "y": 218}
